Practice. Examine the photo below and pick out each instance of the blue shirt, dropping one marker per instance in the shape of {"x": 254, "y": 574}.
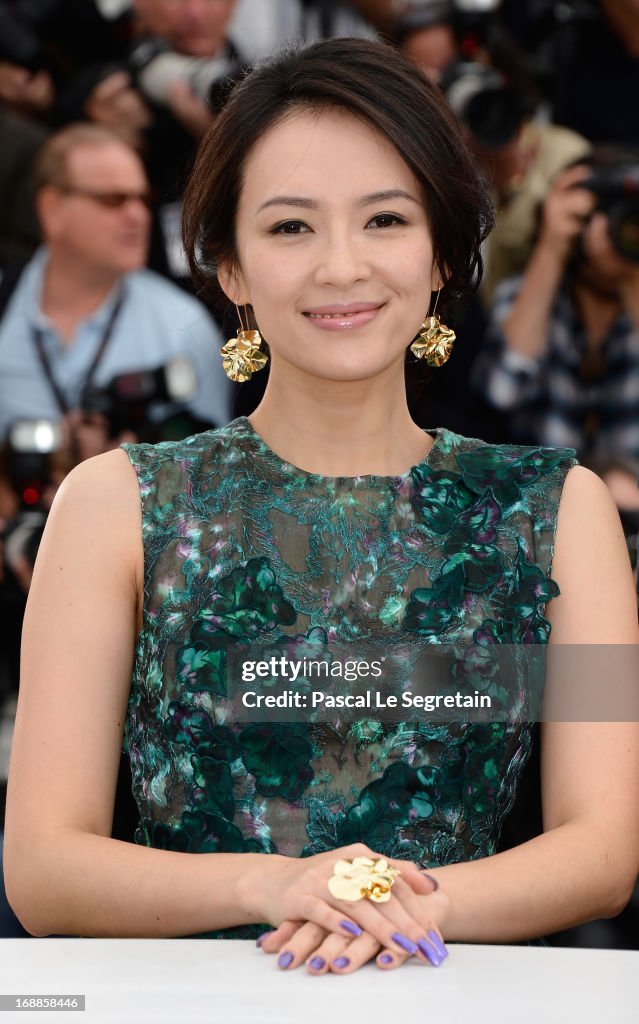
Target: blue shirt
{"x": 157, "y": 322}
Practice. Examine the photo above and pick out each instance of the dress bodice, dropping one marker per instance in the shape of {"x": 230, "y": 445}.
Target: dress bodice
{"x": 242, "y": 547}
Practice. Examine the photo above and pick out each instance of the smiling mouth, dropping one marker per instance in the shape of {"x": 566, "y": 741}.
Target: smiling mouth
{"x": 343, "y": 314}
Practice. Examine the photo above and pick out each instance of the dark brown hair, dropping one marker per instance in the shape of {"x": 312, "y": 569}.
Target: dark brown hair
{"x": 376, "y": 83}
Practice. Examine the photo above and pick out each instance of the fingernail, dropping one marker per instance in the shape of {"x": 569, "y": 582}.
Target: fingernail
{"x": 285, "y": 959}
{"x": 429, "y": 952}
{"x": 438, "y": 944}
{"x": 386, "y": 958}
{"x": 317, "y": 963}
{"x": 404, "y": 942}
{"x": 342, "y": 961}
{"x": 260, "y": 939}
{"x": 430, "y": 878}
{"x": 352, "y": 929}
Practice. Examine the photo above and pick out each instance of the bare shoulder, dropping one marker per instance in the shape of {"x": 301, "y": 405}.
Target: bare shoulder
{"x": 99, "y": 503}
{"x": 597, "y": 603}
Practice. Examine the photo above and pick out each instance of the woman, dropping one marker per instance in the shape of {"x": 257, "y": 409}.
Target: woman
{"x": 335, "y": 199}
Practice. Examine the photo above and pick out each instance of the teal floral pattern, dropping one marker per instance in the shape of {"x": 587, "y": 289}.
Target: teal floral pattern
{"x": 243, "y": 548}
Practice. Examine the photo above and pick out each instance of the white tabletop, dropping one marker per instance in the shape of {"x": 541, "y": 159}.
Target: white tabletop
{"x": 232, "y": 982}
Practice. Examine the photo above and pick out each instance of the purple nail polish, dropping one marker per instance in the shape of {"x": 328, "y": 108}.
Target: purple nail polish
{"x": 386, "y": 958}
{"x": 285, "y": 959}
{"x": 404, "y": 942}
{"x": 429, "y": 952}
{"x": 438, "y": 944}
{"x": 352, "y": 929}
{"x": 430, "y": 878}
{"x": 342, "y": 961}
{"x": 317, "y": 963}
{"x": 260, "y": 939}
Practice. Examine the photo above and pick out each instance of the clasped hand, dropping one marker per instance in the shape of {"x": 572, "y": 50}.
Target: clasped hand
{"x": 330, "y": 934}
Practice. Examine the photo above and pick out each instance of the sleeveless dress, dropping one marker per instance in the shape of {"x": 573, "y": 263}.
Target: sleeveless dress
{"x": 243, "y": 547}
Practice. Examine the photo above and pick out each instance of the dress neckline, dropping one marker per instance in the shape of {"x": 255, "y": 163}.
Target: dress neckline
{"x": 372, "y": 478}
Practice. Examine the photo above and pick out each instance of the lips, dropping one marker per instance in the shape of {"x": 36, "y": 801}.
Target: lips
{"x": 340, "y": 312}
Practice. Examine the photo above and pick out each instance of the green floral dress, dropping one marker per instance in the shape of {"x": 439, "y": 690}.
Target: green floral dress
{"x": 242, "y": 547}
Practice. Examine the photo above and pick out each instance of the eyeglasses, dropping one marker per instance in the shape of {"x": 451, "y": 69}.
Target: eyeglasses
{"x": 109, "y": 200}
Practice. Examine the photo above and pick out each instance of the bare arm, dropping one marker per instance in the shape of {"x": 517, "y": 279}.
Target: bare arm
{"x": 623, "y": 15}
{"x": 526, "y": 328}
{"x": 64, "y": 874}
{"x": 585, "y": 864}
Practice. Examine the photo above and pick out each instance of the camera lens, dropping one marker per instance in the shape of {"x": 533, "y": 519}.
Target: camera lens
{"x": 624, "y": 229}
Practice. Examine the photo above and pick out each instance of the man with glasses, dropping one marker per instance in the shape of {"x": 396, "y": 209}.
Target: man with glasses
{"x": 84, "y": 310}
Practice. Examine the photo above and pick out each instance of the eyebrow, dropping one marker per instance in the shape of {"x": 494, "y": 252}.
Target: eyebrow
{"x": 312, "y": 204}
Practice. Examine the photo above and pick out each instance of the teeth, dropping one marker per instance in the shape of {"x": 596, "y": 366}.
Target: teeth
{"x": 329, "y": 316}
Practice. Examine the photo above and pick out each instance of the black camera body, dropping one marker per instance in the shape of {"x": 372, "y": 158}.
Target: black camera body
{"x": 617, "y": 191}
{"x": 125, "y": 402}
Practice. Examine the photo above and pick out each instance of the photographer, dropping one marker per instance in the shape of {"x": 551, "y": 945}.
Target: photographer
{"x": 562, "y": 353}
{"x": 84, "y": 310}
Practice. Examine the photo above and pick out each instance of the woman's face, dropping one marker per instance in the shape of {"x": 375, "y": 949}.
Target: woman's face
{"x": 333, "y": 246}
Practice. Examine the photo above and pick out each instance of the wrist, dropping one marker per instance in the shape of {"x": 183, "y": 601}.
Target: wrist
{"x": 255, "y": 882}
{"x": 554, "y": 248}
{"x": 437, "y": 907}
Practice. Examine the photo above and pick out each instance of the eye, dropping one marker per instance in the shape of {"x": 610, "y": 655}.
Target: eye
{"x": 385, "y": 220}
{"x": 289, "y": 227}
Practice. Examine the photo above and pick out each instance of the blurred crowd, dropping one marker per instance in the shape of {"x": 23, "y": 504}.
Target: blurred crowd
{"x": 102, "y": 104}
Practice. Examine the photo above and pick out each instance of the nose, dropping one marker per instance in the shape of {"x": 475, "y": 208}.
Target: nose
{"x": 342, "y": 261}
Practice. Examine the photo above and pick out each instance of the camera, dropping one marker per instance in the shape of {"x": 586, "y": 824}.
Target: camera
{"x": 482, "y": 99}
{"x": 125, "y": 402}
{"x": 154, "y": 67}
{"x": 617, "y": 191}
{"x": 34, "y": 460}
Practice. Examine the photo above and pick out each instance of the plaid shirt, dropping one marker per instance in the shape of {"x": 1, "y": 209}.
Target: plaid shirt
{"x": 550, "y": 399}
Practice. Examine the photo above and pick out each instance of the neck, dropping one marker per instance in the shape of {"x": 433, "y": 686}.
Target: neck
{"x": 340, "y": 428}
{"x": 71, "y": 291}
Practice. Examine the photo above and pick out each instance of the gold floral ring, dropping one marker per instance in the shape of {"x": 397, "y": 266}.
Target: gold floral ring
{"x": 362, "y": 879}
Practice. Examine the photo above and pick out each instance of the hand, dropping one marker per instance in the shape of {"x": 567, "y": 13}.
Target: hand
{"x": 27, "y": 90}
{"x": 298, "y": 892}
{"x": 324, "y": 951}
{"x": 115, "y": 104}
{"x": 602, "y": 254}
{"x": 566, "y": 210}
{"x": 188, "y": 109}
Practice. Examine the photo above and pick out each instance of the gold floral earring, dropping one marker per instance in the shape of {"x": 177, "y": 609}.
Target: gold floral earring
{"x": 241, "y": 356}
{"x": 434, "y": 343}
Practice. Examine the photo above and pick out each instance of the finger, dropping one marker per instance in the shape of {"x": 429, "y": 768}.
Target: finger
{"x": 389, "y": 959}
{"x": 397, "y": 929}
{"x": 358, "y": 952}
{"x": 333, "y": 947}
{"x": 271, "y": 941}
{"x": 296, "y": 950}
{"x": 571, "y": 175}
{"x": 410, "y": 912}
{"x": 112, "y": 85}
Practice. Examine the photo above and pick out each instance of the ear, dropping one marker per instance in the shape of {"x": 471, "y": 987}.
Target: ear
{"x": 49, "y": 209}
{"x": 232, "y": 283}
{"x": 437, "y": 278}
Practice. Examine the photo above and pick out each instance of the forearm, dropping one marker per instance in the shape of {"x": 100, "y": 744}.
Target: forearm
{"x": 526, "y": 327}
{"x": 563, "y": 877}
{"x": 623, "y": 15}
{"x": 90, "y": 885}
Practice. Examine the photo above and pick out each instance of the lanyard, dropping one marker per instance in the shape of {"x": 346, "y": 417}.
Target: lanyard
{"x": 38, "y": 341}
